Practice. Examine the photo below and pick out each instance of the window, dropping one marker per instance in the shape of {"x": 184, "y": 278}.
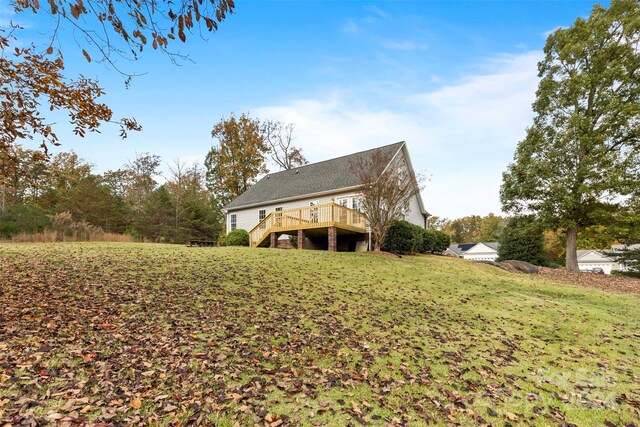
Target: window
{"x": 233, "y": 222}
{"x": 279, "y": 209}
{"x": 356, "y": 203}
{"x": 262, "y": 213}
{"x": 344, "y": 202}
{"x": 278, "y": 215}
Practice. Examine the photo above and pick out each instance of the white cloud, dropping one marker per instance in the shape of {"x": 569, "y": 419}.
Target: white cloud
{"x": 375, "y": 10}
{"x": 463, "y": 134}
{"x": 333, "y": 126}
{"x": 406, "y": 45}
{"x": 351, "y": 27}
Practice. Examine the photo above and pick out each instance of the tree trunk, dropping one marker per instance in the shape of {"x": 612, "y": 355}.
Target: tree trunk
{"x": 377, "y": 242}
{"x": 572, "y": 249}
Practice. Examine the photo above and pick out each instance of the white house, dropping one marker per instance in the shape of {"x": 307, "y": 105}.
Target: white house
{"x": 319, "y": 203}
{"x": 482, "y": 251}
{"x": 590, "y": 259}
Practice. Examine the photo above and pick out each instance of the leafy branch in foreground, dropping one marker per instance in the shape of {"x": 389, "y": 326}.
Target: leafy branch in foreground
{"x": 32, "y": 78}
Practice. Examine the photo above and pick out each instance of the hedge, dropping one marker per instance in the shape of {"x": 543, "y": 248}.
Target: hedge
{"x": 405, "y": 238}
{"x": 238, "y": 238}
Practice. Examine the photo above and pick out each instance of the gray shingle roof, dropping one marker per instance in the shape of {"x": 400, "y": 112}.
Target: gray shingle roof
{"x": 324, "y": 176}
{"x": 460, "y": 248}
{"x": 583, "y": 252}
{"x": 493, "y": 245}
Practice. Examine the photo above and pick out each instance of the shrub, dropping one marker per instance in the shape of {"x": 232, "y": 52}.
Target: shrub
{"x": 428, "y": 240}
{"x": 403, "y": 238}
{"x": 522, "y": 239}
{"x": 22, "y": 219}
{"x": 442, "y": 242}
{"x": 293, "y": 240}
{"x": 238, "y": 238}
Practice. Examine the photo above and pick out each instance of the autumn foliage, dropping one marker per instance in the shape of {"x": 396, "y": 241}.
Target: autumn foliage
{"x": 32, "y": 77}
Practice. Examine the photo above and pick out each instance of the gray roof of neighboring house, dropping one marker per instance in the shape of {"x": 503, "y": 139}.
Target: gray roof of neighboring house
{"x": 325, "y": 176}
{"x": 492, "y": 245}
{"x": 460, "y": 248}
{"x": 583, "y": 252}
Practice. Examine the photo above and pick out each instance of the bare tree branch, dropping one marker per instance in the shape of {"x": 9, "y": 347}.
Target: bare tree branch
{"x": 388, "y": 186}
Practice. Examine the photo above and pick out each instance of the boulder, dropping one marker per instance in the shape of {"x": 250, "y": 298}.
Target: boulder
{"x": 515, "y": 266}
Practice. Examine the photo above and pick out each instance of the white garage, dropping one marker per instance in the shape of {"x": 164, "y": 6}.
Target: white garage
{"x": 589, "y": 259}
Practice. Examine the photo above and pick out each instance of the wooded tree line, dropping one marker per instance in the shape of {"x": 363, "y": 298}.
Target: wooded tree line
{"x": 135, "y": 199}
{"x": 173, "y": 204}
{"x": 623, "y": 227}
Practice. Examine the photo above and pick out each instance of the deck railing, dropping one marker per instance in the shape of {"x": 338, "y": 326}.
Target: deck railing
{"x": 319, "y": 216}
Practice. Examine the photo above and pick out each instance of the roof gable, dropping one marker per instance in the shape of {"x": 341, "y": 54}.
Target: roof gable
{"x": 590, "y": 255}
{"x": 483, "y": 248}
{"x": 461, "y": 248}
{"x": 322, "y": 177}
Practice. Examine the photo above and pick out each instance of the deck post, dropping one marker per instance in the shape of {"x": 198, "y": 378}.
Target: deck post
{"x": 301, "y": 239}
{"x": 274, "y": 241}
{"x": 333, "y": 239}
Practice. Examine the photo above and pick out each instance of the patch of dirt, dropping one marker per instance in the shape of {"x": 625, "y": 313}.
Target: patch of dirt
{"x": 600, "y": 281}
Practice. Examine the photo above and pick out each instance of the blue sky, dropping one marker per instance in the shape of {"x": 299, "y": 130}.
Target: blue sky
{"x": 454, "y": 79}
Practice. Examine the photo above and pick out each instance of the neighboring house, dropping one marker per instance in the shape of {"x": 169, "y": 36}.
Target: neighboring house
{"x": 590, "y": 259}
{"x": 319, "y": 203}
{"x": 625, "y": 266}
{"x": 482, "y": 251}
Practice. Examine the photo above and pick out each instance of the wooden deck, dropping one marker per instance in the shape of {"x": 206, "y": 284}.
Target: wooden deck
{"x": 311, "y": 217}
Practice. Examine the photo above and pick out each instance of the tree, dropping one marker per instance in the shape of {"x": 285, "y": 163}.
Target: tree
{"x": 388, "y": 184}
{"x": 280, "y": 137}
{"x": 196, "y": 217}
{"x": 139, "y": 179}
{"x": 522, "y": 239}
{"x": 474, "y": 228}
{"x": 91, "y": 201}
{"x": 31, "y": 76}
{"x": 237, "y": 159}
{"x": 581, "y": 155}
{"x": 630, "y": 257}
{"x": 491, "y": 227}
{"x": 155, "y": 221}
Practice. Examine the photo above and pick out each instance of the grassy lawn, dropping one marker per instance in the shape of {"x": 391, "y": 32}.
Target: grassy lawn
{"x": 169, "y": 335}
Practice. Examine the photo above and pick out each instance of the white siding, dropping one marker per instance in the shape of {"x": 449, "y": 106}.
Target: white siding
{"x": 246, "y": 219}
{"x": 414, "y": 215}
{"x": 481, "y": 252}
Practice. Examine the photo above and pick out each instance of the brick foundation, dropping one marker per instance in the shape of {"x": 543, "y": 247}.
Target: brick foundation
{"x": 301, "y": 239}
{"x": 333, "y": 239}
{"x": 274, "y": 240}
